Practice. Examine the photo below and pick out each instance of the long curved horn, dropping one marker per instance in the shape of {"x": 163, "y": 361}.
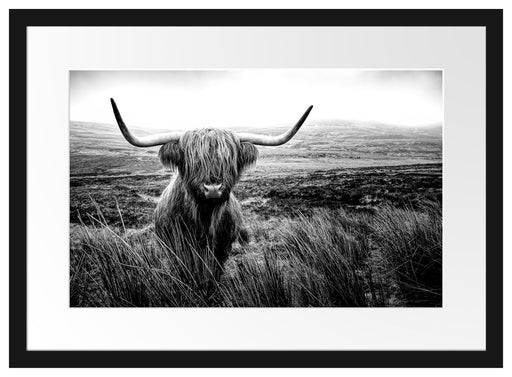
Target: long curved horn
{"x": 143, "y": 141}
{"x": 274, "y": 140}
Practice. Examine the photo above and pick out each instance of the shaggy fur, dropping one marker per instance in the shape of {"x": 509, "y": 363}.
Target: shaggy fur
{"x": 205, "y": 156}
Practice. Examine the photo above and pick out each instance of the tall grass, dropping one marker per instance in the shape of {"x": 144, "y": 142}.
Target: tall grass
{"x": 411, "y": 246}
{"x": 262, "y": 282}
{"x": 332, "y": 258}
{"x": 140, "y": 270}
{"x": 319, "y": 261}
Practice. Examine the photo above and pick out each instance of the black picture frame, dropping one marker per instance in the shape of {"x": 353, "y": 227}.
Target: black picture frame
{"x": 492, "y": 20}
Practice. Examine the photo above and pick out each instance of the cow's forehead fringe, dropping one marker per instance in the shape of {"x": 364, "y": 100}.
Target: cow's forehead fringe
{"x": 211, "y": 152}
{"x": 205, "y": 140}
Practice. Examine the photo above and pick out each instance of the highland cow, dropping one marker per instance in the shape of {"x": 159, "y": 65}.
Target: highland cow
{"x": 199, "y": 199}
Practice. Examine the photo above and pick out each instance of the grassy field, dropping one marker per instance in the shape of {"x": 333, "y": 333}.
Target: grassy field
{"x": 344, "y": 215}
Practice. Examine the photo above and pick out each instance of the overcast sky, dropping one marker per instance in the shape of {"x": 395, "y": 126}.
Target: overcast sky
{"x": 190, "y": 99}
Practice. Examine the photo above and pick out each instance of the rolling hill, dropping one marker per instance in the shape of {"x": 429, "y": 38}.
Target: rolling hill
{"x": 100, "y": 149}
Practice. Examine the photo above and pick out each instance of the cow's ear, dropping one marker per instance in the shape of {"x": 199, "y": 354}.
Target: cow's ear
{"x": 171, "y": 155}
{"x": 247, "y": 156}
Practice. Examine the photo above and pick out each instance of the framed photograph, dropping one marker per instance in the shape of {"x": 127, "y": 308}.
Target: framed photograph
{"x": 256, "y": 188}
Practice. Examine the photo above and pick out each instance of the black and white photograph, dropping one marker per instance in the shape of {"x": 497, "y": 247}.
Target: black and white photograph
{"x": 256, "y": 188}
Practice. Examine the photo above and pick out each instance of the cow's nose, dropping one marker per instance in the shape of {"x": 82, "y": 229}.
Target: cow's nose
{"x": 213, "y": 191}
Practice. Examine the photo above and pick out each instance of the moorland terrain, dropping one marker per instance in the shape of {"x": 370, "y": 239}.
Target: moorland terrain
{"x": 366, "y": 174}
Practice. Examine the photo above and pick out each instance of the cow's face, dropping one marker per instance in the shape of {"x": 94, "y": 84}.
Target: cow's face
{"x": 210, "y": 162}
